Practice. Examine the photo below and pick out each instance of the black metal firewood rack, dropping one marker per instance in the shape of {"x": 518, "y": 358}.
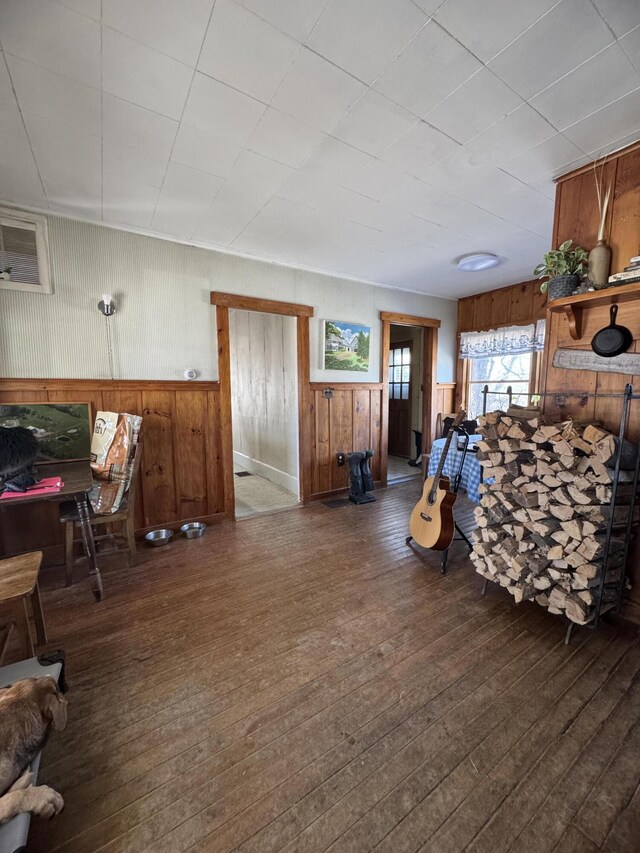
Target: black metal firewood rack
{"x": 600, "y": 605}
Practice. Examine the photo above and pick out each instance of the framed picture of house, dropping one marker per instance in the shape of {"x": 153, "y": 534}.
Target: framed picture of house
{"x": 346, "y": 346}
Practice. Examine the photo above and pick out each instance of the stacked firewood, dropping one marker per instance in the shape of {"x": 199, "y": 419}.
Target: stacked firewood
{"x": 542, "y": 521}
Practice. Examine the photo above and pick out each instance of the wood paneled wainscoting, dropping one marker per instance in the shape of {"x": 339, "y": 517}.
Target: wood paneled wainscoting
{"x": 349, "y": 420}
{"x": 181, "y": 472}
{"x": 352, "y": 419}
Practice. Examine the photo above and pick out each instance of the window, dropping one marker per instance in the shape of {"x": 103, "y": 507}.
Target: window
{"x": 499, "y": 372}
{"x": 399, "y": 372}
{"x": 501, "y": 359}
{"x": 24, "y": 252}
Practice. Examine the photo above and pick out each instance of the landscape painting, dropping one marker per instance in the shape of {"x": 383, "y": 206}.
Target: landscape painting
{"x": 346, "y": 346}
{"x": 62, "y": 429}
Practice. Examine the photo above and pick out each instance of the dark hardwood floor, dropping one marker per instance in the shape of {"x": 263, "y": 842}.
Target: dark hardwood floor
{"x": 304, "y": 681}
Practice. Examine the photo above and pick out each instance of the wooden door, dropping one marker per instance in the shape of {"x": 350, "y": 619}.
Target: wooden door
{"x": 400, "y": 398}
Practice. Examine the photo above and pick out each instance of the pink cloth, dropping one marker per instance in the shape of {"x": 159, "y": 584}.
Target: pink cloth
{"x": 45, "y": 487}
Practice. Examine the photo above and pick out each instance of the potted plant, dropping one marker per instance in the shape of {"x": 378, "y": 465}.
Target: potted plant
{"x": 5, "y": 274}
{"x": 564, "y": 267}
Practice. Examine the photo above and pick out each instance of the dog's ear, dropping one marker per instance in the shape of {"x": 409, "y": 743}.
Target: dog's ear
{"x": 54, "y": 705}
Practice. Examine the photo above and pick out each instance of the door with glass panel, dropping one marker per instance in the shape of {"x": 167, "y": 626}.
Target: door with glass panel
{"x": 400, "y": 398}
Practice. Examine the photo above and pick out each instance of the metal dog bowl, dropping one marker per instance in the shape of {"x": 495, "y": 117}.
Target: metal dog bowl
{"x": 158, "y": 537}
{"x": 193, "y": 529}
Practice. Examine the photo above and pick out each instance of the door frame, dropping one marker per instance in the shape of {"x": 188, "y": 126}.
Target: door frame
{"x": 430, "y": 328}
{"x": 223, "y": 302}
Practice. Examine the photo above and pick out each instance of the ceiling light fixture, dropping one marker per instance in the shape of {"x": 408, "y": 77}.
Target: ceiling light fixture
{"x": 477, "y": 261}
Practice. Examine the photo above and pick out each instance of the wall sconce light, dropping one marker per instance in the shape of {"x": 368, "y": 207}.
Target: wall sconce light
{"x": 106, "y": 305}
{"x": 108, "y": 309}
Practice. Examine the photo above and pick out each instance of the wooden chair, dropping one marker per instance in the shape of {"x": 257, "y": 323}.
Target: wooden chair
{"x": 19, "y": 582}
{"x": 120, "y": 542}
{"x": 440, "y": 419}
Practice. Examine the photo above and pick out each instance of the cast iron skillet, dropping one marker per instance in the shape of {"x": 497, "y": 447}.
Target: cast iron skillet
{"x": 612, "y": 340}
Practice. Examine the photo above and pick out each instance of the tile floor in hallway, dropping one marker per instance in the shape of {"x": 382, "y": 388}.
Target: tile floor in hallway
{"x": 255, "y": 494}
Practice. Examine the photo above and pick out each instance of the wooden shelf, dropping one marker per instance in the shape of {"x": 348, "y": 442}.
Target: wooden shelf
{"x": 573, "y": 306}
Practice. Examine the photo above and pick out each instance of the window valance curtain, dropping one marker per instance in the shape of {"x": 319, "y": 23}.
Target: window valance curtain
{"x": 511, "y": 340}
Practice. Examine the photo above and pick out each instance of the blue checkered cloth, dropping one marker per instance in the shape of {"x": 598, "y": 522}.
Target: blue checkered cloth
{"x": 471, "y": 470}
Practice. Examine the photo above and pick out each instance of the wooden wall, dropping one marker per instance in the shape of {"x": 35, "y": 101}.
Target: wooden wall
{"x": 576, "y": 218}
{"x": 351, "y": 420}
{"x": 181, "y": 475}
{"x": 518, "y": 304}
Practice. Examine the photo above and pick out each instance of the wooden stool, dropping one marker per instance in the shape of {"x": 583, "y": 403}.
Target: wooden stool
{"x": 18, "y": 582}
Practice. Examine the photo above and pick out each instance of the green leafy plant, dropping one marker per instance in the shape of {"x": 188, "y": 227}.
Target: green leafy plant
{"x": 562, "y": 261}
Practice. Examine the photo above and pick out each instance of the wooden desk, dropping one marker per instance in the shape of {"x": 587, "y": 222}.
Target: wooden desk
{"x": 78, "y": 481}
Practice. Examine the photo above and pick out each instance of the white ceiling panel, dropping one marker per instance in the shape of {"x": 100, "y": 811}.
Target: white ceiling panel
{"x": 489, "y": 29}
{"x": 520, "y": 130}
{"x": 631, "y": 46}
{"x": 378, "y": 180}
{"x": 53, "y": 36}
{"x": 296, "y": 19}
{"x": 419, "y": 149}
{"x": 131, "y": 163}
{"x": 358, "y": 137}
{"x": 374, "y": 123}
{"x": 137, "y": 73}
{"x": 364, "y": 36}
{"x": 204, "y": 151}
{"x": 221, "y": 110}
{"x": 91, "y": 8}
{"x": 479, "y": 102}
{"x": 283, "y": 138}
{"x": 307, "y": 188}
{"x": 336, "y": 161}
{"x": 613, "y": 122}
{"x": 600, "y": 80}
{"x": 557, "y": 43}
{"x": 620, "y": 15}
{"x": 54, "y": 96}
{"x": 173, "y": 28}
{"x": 125, "y": 202}
{"x": 139, "y": 127}
{"x": 6, "y": 88}
{"x": 245, "y": 52}
{"x": 427, "y": 70}
{"x": 459, "y": 176}
{"x": 222, "y": 224}
{"x": 19, "y": 176}
{"x": 55, "y": 144}
{"x": 316, "y": 92}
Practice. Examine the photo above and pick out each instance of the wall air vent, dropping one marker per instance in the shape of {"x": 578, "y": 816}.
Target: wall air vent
{"x": 24, "y": 252}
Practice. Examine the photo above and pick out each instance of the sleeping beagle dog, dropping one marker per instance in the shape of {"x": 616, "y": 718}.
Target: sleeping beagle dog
{"x": 29, "y": 709}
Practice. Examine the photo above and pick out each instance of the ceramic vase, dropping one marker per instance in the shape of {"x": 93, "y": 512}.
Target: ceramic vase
{"x": 599, "y": 264}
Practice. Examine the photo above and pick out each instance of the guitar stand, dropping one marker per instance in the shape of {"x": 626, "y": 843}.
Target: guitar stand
{"x": 456, "y": 485}
{"x": 462, "y": 536}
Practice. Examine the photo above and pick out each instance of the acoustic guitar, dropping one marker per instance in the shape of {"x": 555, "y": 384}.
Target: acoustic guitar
{"x": 431, "y": 523}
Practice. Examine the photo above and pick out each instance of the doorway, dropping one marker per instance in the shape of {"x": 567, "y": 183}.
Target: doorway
{"x": 224, "y": 304}
{"x": 421, "y": 333}
{"x": 405, "y": 401}
{"x": 264, "y": 408}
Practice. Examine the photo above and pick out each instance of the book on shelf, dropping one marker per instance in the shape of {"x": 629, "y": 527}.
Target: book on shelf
{"x": 635, "y": 266}
{"x": 615, "y": 279}
{"x": 625, "y": 276}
